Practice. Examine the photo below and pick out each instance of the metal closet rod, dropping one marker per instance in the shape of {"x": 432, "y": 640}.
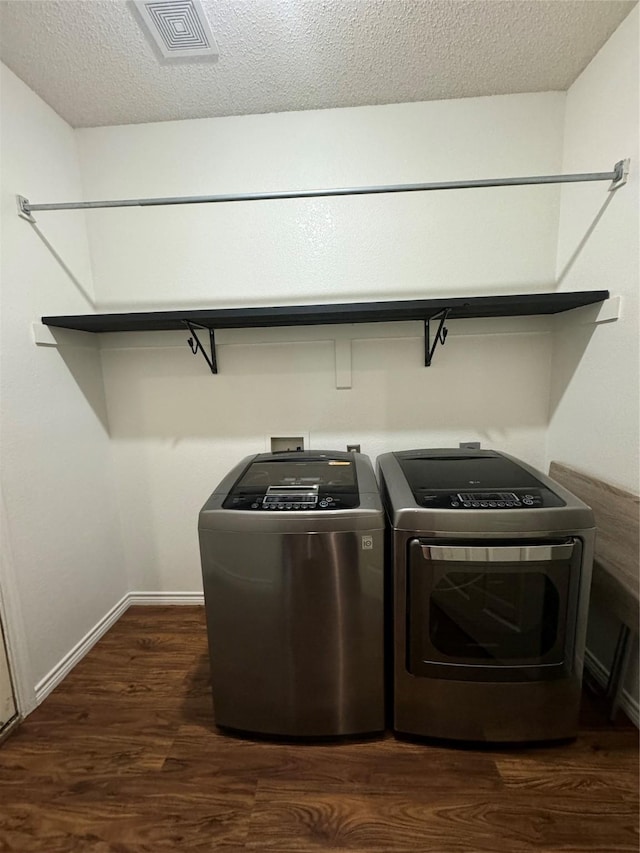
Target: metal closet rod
{"x": 617, "y": 177}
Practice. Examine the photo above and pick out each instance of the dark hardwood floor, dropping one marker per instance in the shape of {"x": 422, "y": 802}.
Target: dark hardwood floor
{"x": 124, "y": 756}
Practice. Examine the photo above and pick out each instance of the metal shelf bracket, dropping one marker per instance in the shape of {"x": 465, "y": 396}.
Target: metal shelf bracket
{"x": 440, "y": 336}
{"x": 195, "y": 344}
{"x": 621, "y": 173}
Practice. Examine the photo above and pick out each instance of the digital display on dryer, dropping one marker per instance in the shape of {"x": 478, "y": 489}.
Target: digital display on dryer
{"x": 489, "y": 496}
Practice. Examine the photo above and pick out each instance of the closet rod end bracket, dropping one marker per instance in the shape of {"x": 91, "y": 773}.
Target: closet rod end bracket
{"x": 621, "y": 173}
{"x": 24, "y": 209}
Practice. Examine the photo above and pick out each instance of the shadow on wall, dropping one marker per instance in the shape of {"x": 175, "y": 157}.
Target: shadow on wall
{"x": 487, "y": 279}
{"x": 483, "y": 380}
{"x": 67, "y": 270}
{"x": 572, "y": 336}
{"x": 81, "y": 355}
{"x": 479, "y": 381}
{"x": 162, "y": 392}
{"x": 583, "y": 241}
{"x": 569, "y": 346}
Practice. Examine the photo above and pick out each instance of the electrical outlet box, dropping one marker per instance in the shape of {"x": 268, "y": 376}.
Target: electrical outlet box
{"x": 353, "y": 448}
{"x": 470, "y": 445}
{"x": 282, "y": 443}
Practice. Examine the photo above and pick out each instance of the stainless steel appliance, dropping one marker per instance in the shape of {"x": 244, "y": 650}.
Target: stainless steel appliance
{"x": 491, "y": 569}
{"x": 292, "y": 548}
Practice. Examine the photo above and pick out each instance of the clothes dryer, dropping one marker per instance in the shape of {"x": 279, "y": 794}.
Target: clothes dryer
{"x": 491, "y": 570}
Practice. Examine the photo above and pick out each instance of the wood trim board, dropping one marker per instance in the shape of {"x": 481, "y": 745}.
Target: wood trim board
{"x": 617, "y": 515}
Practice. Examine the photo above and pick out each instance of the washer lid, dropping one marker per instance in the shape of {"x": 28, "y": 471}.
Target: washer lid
{"x": 296, "y": 481}
{"x": 298, "y": 469}
{"x": 460, "y": 471}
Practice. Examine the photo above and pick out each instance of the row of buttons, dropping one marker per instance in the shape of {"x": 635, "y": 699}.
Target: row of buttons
{"x": 486, "y": 504}
{"x": 279, "y": 506}
{"x": 290, "y": 506}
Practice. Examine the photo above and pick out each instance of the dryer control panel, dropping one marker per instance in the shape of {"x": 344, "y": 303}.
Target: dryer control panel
{"x": 530, "y": 498}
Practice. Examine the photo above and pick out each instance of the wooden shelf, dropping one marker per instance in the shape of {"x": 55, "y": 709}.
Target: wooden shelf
{"x": 313, "y": 315}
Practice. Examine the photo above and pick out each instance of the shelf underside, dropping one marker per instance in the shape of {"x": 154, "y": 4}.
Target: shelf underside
{"x": 313, "y": 315}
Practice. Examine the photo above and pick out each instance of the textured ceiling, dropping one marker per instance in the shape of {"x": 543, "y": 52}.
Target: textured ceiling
{"x": 91, "y": 62}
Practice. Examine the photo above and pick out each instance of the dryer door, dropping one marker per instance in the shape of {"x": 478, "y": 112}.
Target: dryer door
{"x": 491, "y": 612}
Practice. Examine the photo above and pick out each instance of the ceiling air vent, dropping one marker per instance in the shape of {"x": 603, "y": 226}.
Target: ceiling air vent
{"x": 178, "y": 27}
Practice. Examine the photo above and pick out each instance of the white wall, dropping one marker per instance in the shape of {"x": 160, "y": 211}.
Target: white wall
{"x": 325, "y": 249}
{"x": 62, "y": 552}
{"x": 594, "y": 422}
{"x": 176, "y": 429}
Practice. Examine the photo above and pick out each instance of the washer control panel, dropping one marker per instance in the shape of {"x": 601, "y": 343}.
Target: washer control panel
{"x": 288, "y": 497}
{"x": 293, "y": 498}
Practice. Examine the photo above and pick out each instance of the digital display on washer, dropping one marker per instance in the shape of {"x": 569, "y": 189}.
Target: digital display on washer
{"x": 306, "y": 497}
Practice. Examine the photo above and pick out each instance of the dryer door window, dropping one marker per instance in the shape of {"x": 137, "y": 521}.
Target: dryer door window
{"x": 490, "y": 613}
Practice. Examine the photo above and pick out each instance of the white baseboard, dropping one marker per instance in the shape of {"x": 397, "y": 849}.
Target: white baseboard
{"x": 601, "y": 674}
{"x": 166, "y": 598}
{"x": 64, "y": 667}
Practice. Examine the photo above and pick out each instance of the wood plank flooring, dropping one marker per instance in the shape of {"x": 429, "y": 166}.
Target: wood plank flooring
{"x": 123, "y": 757}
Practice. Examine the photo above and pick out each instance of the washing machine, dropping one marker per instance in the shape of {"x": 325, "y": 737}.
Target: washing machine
{"x": 491, "y": 568}
{"x": 292, "y": 549}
